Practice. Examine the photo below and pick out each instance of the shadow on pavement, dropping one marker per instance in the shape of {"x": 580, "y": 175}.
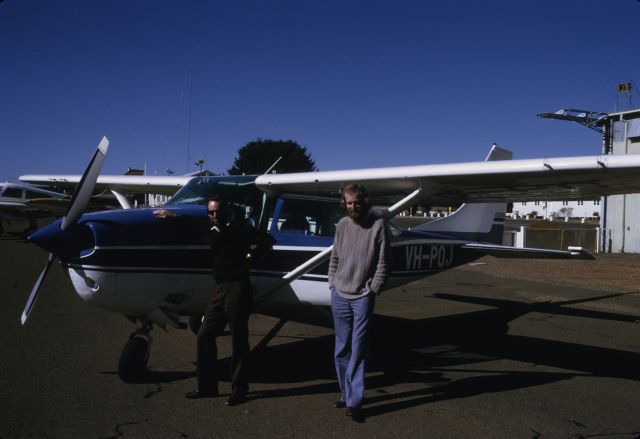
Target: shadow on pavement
{"x": 420, "y": 351}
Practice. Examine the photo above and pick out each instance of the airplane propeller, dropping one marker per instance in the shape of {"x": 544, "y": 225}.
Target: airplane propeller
{"x": 76, "y": 207}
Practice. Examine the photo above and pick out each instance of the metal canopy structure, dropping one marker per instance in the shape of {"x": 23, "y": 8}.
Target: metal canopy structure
{"x": 594, "y": 120}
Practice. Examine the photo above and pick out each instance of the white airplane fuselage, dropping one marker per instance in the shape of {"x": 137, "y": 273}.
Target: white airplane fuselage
{"x": 132, "y": 262}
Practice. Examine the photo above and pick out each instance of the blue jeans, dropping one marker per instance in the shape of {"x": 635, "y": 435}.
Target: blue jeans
{"x": 351, "y": 320}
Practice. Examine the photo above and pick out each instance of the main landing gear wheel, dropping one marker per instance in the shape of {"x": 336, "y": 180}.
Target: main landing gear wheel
{"x": 132, "y": 365}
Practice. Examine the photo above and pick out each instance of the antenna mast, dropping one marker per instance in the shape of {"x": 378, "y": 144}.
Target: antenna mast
{"x": 189, "y": 122}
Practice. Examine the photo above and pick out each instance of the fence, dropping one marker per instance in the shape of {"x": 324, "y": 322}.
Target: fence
{"x": 555, "y": 239}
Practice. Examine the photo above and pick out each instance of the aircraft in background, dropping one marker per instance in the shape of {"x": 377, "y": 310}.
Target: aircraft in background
{"x": 24, "y": 202}
{"x": 157, "y": 271}
{"x": 118, "y": 185}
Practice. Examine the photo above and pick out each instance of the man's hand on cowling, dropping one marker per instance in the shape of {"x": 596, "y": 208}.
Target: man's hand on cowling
{"x": 164, "y": 214}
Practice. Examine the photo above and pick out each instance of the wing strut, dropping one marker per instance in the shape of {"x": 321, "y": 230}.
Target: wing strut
{"x": 402, "y": 204}
{"x": 124, "y": 202}
{"x": 318, "y": 259}
{"x": 298, "y": 272}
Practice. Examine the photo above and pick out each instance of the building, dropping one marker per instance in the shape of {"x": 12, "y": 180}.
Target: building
{"x": 619, "y": 214}
{"x": 620, "y": 217}
{"x": 557, "y": 210}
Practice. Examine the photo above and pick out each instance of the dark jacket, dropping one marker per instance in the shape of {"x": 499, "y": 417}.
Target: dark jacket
{"x": 233, "y": 246}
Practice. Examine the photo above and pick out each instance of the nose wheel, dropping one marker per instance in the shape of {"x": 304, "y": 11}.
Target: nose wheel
{"x": 132, "y": 365}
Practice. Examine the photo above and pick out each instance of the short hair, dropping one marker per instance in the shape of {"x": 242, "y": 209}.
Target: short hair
{"x": 217, "y": 199}
{"x": 356, "y": 189}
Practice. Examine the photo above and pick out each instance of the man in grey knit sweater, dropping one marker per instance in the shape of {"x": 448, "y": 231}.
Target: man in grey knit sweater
{"x": 358, "y": 269}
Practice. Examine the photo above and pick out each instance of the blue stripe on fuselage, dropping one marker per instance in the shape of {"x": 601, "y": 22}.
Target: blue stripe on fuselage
{"x": 135, "y": 240}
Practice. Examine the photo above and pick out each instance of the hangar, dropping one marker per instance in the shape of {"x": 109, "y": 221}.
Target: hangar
{"x": 620, "y": 217}
{"x": 619, "y": 224}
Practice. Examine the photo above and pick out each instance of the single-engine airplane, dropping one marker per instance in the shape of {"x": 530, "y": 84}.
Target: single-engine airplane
{"x": 156, "y": 271}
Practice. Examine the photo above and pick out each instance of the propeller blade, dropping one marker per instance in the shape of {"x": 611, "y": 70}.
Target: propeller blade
{"x": 36, "y": 288}
{"x": 85, "y": 187}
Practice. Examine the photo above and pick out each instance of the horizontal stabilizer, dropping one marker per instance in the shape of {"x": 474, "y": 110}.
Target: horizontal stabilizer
{"x": 505, "y": 251}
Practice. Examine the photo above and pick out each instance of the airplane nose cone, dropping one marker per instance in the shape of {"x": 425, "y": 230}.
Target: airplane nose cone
{"x": 63, "y": 244}
{"x": 46, "y": 236}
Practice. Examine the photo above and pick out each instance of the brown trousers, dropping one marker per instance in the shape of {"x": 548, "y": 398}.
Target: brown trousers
{"x": 230, "y": 303}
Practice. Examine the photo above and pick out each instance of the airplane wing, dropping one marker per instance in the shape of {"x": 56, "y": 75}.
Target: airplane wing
{"x": 565, "y": 178}
{"x": 152, "y": 184}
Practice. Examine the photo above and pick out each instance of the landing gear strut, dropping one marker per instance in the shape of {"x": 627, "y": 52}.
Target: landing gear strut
{"x": 135, "y": 355}
{"x": 194, "y": 323}
{"x": 270, "y": 335}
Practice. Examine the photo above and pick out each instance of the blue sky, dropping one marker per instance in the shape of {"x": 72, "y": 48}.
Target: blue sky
{"x": 360, "y": 83}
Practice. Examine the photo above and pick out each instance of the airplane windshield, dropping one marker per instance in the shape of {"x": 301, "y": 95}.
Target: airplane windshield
{"x": 238, "y": 191}
{"x": 12, "y": 192}
{"x": 234, "y": 189}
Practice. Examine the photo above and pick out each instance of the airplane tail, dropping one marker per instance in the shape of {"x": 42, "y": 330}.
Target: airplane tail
{"x": 474, "y": 221}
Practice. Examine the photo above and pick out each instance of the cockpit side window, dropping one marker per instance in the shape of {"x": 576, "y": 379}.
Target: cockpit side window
{"x": 33, "y": 195}
{"x": 309, "y": 217}
{"x": 12, "y": 192}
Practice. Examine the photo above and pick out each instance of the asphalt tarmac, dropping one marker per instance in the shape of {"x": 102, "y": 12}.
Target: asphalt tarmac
{"x": 475, "y": 352}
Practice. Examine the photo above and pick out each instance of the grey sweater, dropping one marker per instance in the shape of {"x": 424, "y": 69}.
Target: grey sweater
{"x": 361, "y": 255}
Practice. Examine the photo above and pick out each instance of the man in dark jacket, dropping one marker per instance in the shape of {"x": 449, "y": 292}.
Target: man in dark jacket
{"x": 231, "y": 238}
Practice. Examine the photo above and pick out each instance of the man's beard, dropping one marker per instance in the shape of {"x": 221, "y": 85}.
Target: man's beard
{"x": 357, "y": 215}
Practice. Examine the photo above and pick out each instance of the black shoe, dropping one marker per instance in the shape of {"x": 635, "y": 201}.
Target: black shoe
{"x": 340, "y": 404}
{"x": 356, "y": 414}
{"x": 236, "y": 398}
{"x": 196, "y": 394}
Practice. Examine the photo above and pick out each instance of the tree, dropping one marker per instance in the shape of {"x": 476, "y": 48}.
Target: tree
{"x": 256, "y": 157}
